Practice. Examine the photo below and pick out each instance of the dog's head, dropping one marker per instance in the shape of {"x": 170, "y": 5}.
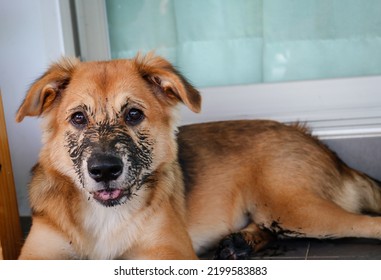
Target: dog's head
{"x": 110, "y": 126}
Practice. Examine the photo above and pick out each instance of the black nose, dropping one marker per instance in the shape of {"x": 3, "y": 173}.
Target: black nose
{"x": 104, "y": 167}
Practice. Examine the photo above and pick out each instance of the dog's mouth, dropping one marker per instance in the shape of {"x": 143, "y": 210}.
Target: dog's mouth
{"x": 110, "y": 197}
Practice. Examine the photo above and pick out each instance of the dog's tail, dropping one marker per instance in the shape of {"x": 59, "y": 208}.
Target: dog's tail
{"x": 360, "y": 193}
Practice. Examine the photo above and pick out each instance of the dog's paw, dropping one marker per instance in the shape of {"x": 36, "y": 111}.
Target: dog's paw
{"x": 233, "y": 247}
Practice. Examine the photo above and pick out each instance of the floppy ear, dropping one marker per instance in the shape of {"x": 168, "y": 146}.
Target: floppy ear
{"x": 46, "y": 89}
{"x": 167, "y": 82}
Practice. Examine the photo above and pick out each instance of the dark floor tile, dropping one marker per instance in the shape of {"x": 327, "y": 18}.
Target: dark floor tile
{"x": 26, "y": 223}
{"x": 286, "y": 249}
{"x": 293, "y": 249}
{"x": 345, "y": 249}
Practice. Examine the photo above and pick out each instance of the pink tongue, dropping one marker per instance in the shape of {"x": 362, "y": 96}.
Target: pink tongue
{"x": 108, "y": 194}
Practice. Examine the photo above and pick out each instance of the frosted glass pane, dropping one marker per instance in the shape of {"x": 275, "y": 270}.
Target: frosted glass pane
{"x": 227, "y": 42}
{"x": 321, "y": 59}
{"x": 292, "y": 20}
{"x": 310, "y": 39}
{"x": 201, "y": 20}
{"x": 141, "y": 26}
{"x": 209, "y": 63}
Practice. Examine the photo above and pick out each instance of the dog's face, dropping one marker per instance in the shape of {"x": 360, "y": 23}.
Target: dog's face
{"x": 109, "y": 126}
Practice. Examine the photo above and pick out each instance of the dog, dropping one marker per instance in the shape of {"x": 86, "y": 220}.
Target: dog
{"x": 116, "y": 178}
{"x": 249, "y": 182}
{"x": 107, "y": 184}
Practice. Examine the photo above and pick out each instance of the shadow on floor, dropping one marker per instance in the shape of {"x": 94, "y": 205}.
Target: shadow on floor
{"x": 315, "y": 249}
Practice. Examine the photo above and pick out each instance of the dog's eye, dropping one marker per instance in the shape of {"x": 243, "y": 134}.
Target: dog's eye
{"x": 134, "y": 116}
{"x": 78, "y": 119}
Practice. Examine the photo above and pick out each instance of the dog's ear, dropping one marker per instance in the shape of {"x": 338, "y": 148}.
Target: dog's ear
{"x": 47, "y": 88}
{"x": 167, "y": 82}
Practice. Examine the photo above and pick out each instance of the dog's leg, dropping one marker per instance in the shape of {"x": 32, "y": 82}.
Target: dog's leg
{"x": 324, "y": 220}
{"x": 44, "y": 242}
{"x": 242, "y": 244}
{"x": 166, "y": 239}
{"x": 161, "y": 252}
{"x": 307, "y": 215}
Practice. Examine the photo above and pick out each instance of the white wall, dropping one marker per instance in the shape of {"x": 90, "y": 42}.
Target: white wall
{"x": 30, "y": 39}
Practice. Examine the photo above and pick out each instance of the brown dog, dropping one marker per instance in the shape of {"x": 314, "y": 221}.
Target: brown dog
{"x": 249, "y": 180}
{"x": 108, "y": 182}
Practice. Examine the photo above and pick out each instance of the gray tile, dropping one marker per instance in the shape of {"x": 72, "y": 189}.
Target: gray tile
{"x": 292, "y": 249}
{"x": 285, "y": 249}
{"x": 345, "y": 249}
{"x": 26, "y": 223}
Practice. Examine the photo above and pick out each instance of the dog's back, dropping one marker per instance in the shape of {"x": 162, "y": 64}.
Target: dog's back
{"x": 276, "y": 176}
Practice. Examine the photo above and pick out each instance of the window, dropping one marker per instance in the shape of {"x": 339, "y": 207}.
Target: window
{"x": 252, "y": 41}
{"x": 308, "y": 60}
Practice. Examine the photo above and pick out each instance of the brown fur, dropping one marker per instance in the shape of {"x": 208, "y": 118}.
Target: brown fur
{"x": 139, "y": 214}
{"x": 253, "y": 178}
{"x": 245, "y": 181}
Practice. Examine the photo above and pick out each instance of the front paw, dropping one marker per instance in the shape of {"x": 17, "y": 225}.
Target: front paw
{"x": 233, "y": 247}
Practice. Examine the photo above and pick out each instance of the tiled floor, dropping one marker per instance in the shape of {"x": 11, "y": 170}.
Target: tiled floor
{"x": 344, "y": 249}
{"x": 301, "y": 249}
{"x": 313, "y": 249}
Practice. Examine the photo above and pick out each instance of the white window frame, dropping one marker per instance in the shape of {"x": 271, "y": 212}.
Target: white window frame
{"x": 333, "y": 108}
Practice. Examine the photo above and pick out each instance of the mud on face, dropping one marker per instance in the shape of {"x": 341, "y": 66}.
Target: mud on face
{"x": 108, "y": 126}
{"x": 111, "y": 161}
